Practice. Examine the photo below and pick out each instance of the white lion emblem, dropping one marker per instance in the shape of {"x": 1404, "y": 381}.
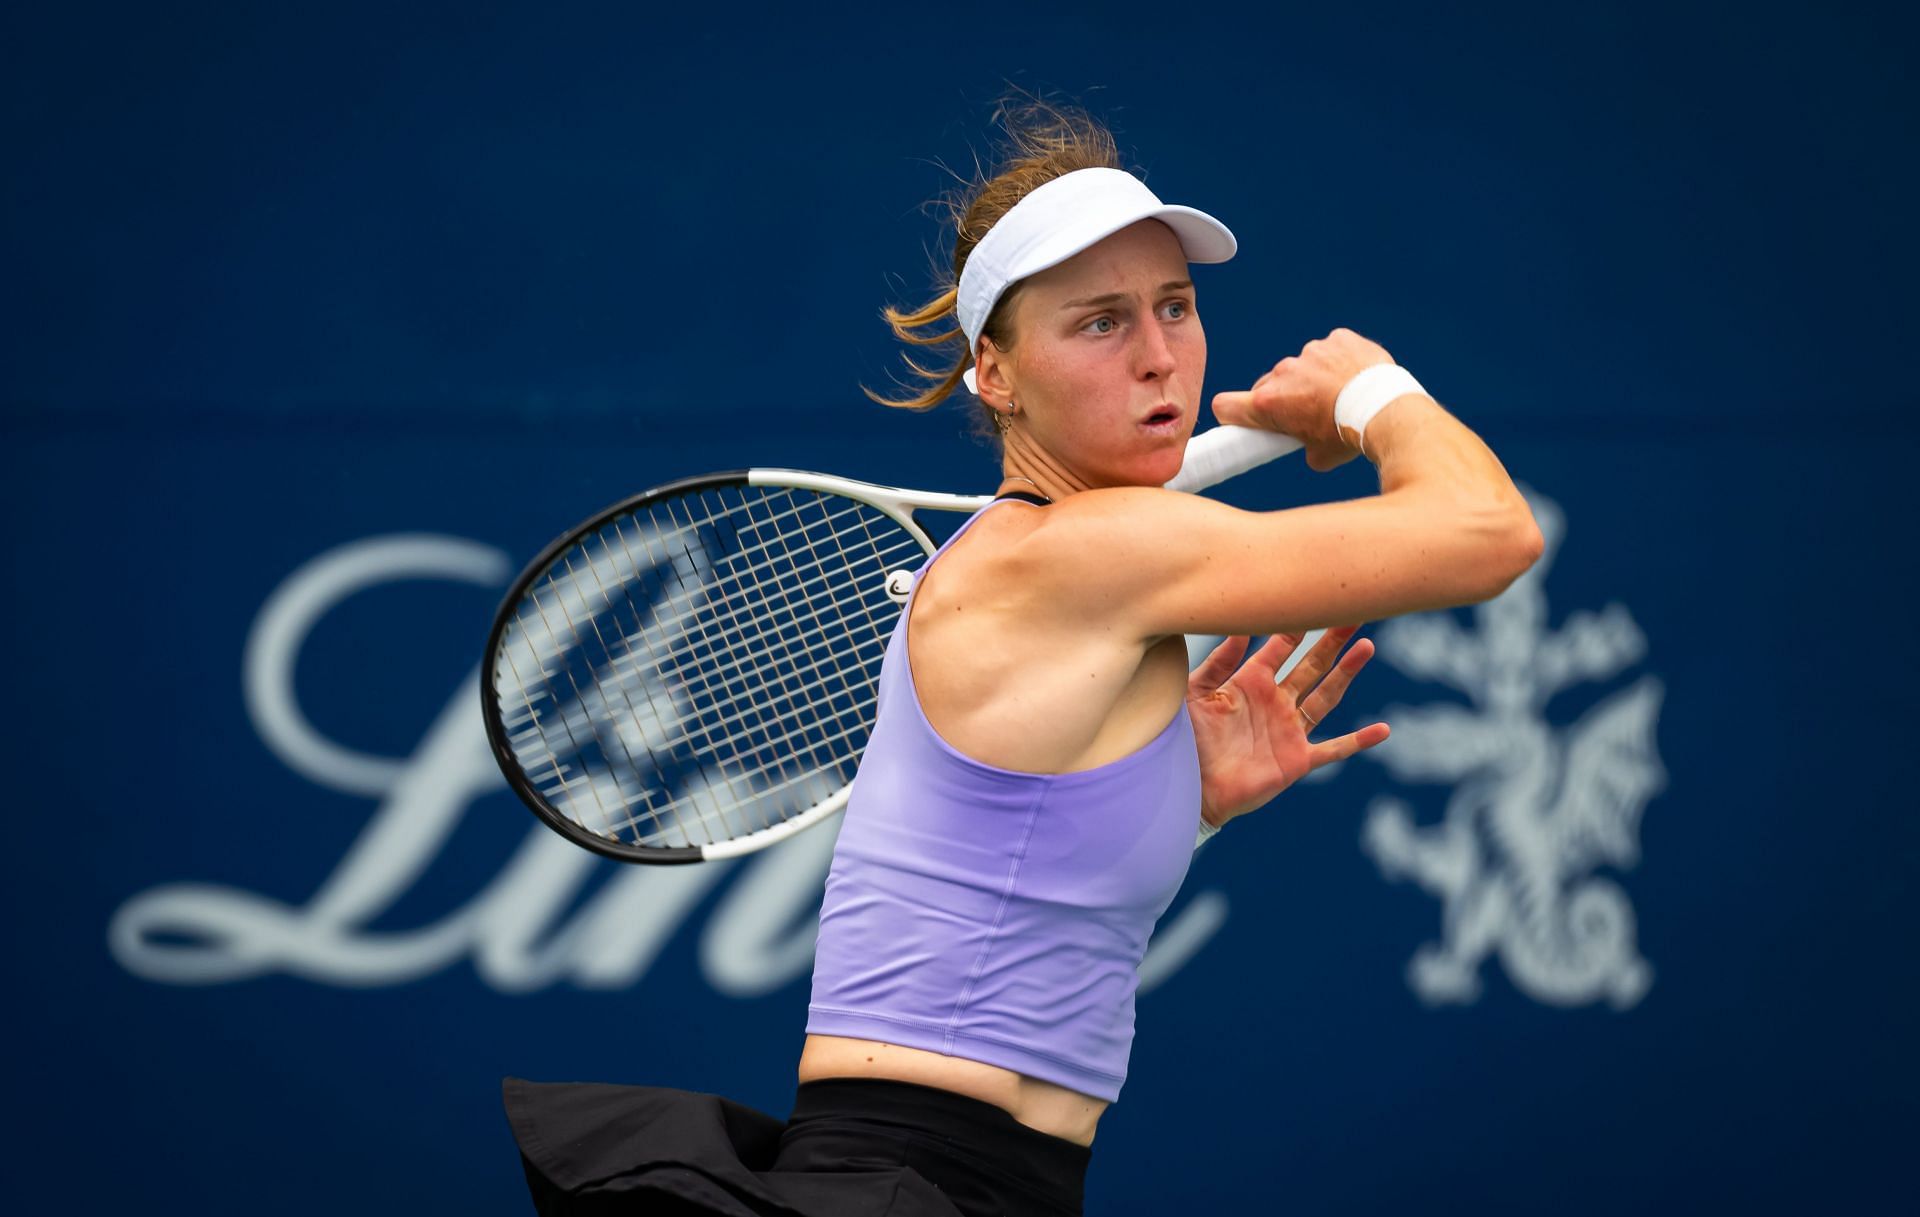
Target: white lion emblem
{"x": 1535, "y": 808}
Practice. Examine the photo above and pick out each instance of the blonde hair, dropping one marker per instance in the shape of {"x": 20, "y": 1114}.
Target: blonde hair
{"x": 1042, "y": 141}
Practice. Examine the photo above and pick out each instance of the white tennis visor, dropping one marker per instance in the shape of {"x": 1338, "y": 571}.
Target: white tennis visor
{"x": 1059, "y": 219}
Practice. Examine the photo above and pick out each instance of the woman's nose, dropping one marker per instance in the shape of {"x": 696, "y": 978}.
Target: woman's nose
{"x": 1153, "y": 356}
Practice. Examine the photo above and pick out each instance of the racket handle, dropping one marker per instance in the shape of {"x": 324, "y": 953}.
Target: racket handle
{"x": 1227, "y": 452}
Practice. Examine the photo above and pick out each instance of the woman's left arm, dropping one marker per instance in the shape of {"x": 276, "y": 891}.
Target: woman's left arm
{"x": 1252, "y": 728}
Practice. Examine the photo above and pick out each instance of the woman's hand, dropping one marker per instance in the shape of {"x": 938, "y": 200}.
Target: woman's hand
{"x": 1297, "y": 396}
{"x": 1252, "y": 732}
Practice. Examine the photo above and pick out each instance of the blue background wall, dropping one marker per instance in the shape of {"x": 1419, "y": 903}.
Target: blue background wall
{"x": 280, "y": 287}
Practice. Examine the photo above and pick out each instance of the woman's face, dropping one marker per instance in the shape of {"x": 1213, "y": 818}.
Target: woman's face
{"x": 1108, "y": 355}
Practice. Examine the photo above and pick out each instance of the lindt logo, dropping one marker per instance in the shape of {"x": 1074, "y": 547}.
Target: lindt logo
{"x": 521, "y": 927}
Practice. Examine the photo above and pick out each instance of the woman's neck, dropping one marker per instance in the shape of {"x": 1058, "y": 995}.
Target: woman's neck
{"x": 1008, "y": 480}
{"x": 1024, "y": 468}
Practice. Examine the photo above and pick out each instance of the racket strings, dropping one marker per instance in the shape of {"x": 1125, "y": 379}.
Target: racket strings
{"x": 765, "y": 666}
{"x": 866, "y": 652}
{"x": 833, "y": 635}
{"x": 814, "y": 586}
{"x": 752, "y": 719}
{"x": 592, "y": 713}
{"x": 806, "y": 747}
{"x": 589, "y": 712}
{"x": 704, "y": 667}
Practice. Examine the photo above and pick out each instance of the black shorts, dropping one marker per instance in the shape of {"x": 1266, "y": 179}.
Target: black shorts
{"x": 853, "y": 1147}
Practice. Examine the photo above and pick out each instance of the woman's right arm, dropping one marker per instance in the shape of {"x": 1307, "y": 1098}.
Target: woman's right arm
{"x": 1448, "y": 527}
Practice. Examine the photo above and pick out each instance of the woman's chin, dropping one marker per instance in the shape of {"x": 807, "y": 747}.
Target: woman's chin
{"x": 1172, "y": 443}
{"x": 1158, "y": 467}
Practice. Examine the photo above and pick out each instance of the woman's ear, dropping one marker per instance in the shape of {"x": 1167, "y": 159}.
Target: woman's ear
{"x": 990, "y": 382}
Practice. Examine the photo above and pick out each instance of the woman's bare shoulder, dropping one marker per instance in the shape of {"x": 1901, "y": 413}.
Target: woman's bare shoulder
{"x": 1090, "y": 515}
{"x": 1081, "y": 531}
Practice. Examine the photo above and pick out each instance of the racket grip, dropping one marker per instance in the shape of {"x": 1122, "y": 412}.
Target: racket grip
{"x": 1227, "y": 452}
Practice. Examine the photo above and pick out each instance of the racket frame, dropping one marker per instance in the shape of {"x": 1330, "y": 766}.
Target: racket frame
{"x": 896, "y": 503}
{"x": 1218, "y": 454}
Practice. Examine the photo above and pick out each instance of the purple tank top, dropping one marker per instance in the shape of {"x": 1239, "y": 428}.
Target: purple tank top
{"x": 995, "y": 914}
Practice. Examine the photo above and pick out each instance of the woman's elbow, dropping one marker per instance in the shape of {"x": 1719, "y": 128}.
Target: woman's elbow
{"x": 1533, "y": 543}
{"x": 1499, "y": 543}
{"x": 1520, "y": 547}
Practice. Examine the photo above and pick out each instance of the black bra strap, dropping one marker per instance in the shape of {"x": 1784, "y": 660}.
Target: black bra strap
{"x": 1024, "y": 496}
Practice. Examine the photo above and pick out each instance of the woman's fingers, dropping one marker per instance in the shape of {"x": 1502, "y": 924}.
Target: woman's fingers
{"x": 1344, "y": 746}
{"x": 1216, "y": 668}
{"x": 1324, "y": 698}
{"x": 1272, "y": 653}
{"x": 1234, "y": 406}
{"x": 1315, "y": 664}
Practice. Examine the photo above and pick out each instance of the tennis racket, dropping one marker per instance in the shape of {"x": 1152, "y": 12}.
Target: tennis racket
{"x": 692, "y": 673}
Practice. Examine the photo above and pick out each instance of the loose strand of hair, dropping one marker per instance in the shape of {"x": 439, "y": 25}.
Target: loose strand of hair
{"x": 929, "y": 397}
{"x": 1040, "y": 142}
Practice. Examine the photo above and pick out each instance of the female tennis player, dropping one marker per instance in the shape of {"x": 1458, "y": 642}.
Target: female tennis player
{"x": 1043, "y": 765}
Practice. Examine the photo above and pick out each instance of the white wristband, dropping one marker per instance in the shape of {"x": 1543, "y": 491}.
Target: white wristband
{"x": 1206, "y": 830}
{"x": 1368, "y": 393}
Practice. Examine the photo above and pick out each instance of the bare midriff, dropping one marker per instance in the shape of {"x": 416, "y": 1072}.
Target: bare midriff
{"x": 1046, "y": 1106}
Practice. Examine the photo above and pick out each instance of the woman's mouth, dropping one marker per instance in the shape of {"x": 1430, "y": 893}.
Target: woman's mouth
{"x": 1163, "y": 421}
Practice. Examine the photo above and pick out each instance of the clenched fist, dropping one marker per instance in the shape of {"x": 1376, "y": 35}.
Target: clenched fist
{"x": 1296, "y": 398}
